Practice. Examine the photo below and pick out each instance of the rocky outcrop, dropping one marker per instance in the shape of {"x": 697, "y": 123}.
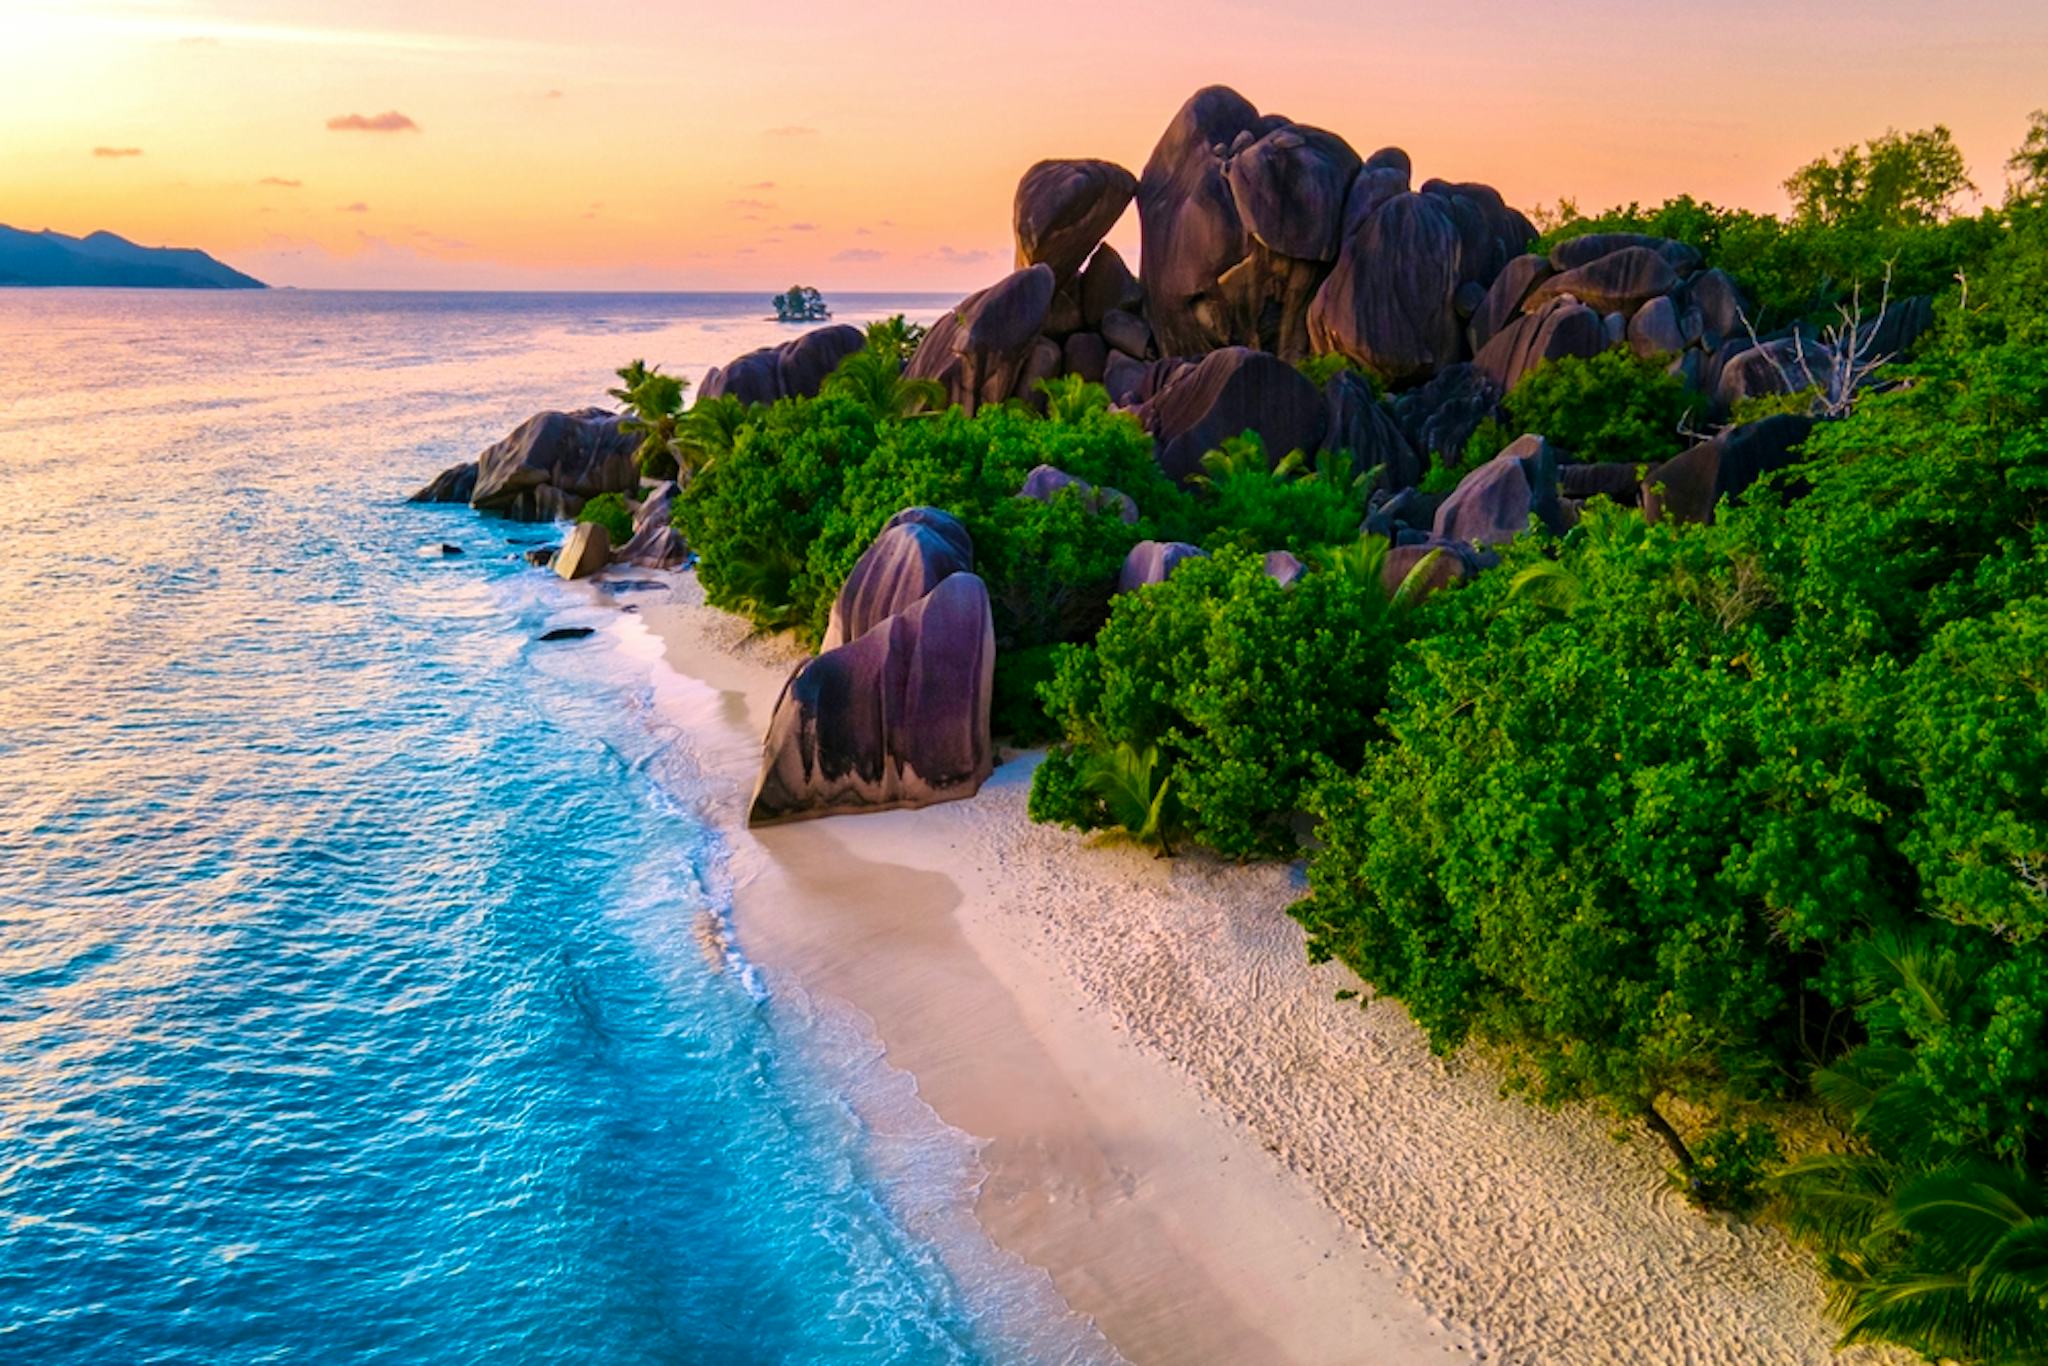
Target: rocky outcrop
{"x": 452, "y": 485}
{"x": 1107, "y": 285}
{"x": 1358, "y": 423}
{"x": 1504, "y": 297}
{"x": 1561, "y": 327}
{"x": 586, "y": 550}
{"x": 1283, "y": 567}
{"x": 1151, "y": 562}
{"x": 1045, "y": 483}
{"x": 915, "y": 550}
{"x": 897, "y": 717}
{"x": 980, "y": 350}
{"x": 795, "y": 369}
{"x": 1064, "y": 208}
{"x": 655, "y": 543}
{"x": 1690, "y": 485}
{"x": 1439, "y": 417}
{"x": 1227, "y": 393}
{"x": 1493, "y": 504}
{"x": 1390, "y": 304}
{"x": 553, "y": 462}
{"x": 1617, "y": 282}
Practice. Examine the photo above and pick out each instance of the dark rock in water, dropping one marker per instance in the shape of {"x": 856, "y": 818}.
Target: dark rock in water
{"x": 1045, "y": 483}
{"x": 1107, "y": 283}
{"x": 618, "y": 586}
{"x": 1390, "y": 304}
{"x": 980, "y": 349}
{"x": 1619, "y": 282}
{"x": 1283, "y": 567}
{"x": 1622, "y": 482}
{"x": 543, "y": 556}
{"x": 439, "y": 550}
{"x": 568, "y": 633}
{"x": 1152, "y": 562}
{"x": 1492, "y": 505}
{"x": 1064, "y": 208}
{"x": 585, "y": 551}
{"x": 452, "y": 485}
{"x": 1563, "y": 327}
{"x": 1654, "y": 330}
{"x": 1689, "y": 486}
{"x": 795, "y": 369}
{"x": 1504, "y": 298}
{"x": 917, "y": 549}
{"x": 553, "y": 462}
{"x": 898, "y": 717}
{"x": 1229, "y": 392}
{"x": 1440, "y": 417}
{"x": 1359, "y": 423}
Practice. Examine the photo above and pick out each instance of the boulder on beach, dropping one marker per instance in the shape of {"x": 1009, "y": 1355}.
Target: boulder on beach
{"x": 553, "y": 462}
{"x": 897, "y": 717}
{"x": 1064, "y": 208}
{"x": 913, "y": 552}
{"x": 1227, "y": 393}
{"x": 795, "y": 369}
{"x": 586, "y": 550}
{"x": 980, "y": 350}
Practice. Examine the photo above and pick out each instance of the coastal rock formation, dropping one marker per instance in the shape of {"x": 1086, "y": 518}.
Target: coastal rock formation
{"x": 452, "y": 485}
{"x": 1045, "y": 483}
{"x": 655, "y": 543}
{"x": 1504, "y": 297}
{"x": 1618, "y": 282}
{"x": 1229, "y": 392}
{"x": 980, "y": 350}
{"x": 1064, "y": 208}
{"x": 586, "y": 550}
{"x": 1152, "y": 562}
{"x": 913, "y": 552}
{"x": 898, "y": 717}
{"x": 1107, "y": 285}
{"x": 1493, "y": 504}
{"x": 553, "y": 462}
{"x": 795, "y": 369}
{"x": 1690, "y": 485}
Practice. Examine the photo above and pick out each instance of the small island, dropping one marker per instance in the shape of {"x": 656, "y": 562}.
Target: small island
{"x": 802, "y": 304}
{"x": 107, "y": 260}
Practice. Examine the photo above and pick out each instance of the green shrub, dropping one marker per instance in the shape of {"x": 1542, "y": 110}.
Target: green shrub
{"x": 1017, "y": 712}
{"x": 609, "y": 511}
{"x": 1614, "y": 406}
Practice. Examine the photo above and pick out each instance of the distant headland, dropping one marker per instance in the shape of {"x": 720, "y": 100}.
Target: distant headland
{"x": 105, "y": 259}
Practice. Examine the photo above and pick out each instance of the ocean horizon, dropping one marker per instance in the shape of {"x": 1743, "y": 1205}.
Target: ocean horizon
{"x": 360, "y": 996}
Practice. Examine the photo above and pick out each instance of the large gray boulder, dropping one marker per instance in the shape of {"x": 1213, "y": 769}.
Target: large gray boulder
{"x": 552, "y": 463}
{"x": 1360, "y": 424}
{"x": 1562, "y": 327}
{"x": 914, "y": 551}
{"x": 655, "y": 543}
{"x": 1225, "y": 394}
{"x": 1108, "y": 285}
{"x": 1064, "y": 208}
{"x": 1151, "y": 562}
{"x": 1619, "y": 282}
{"x": 1504, "y": 297}
{"x": 1781, "y": 366}
{"x": 1047, "y": 482}
{"x": 980, "y": 350}
{"x": 452, "y": 485}
{"x": 1290, "y": 186}
{"x": 1492, "y": 505}
{"x": 1390, "y": 304}
{"x": 1690, "y": 485}
{"x": 795, "y": 369}
{"x": 1655, "y": 329}
{"x": 897, "y": 717}
{"x": 586, "y": 550}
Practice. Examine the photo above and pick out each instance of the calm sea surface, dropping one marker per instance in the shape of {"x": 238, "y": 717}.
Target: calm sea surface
{"x": 350, "y": 1004}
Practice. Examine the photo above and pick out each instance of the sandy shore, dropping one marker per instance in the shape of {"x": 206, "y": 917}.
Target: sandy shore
{"x": 1213, "y": 1157}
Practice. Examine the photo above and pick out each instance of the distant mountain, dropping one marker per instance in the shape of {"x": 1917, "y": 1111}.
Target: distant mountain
{"x": 51, "y": 258}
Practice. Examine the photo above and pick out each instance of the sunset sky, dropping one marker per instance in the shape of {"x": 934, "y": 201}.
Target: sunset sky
{"x": 519, "y": 144}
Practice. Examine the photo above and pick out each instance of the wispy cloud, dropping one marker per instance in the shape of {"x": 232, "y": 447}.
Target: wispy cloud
{"x": 953, "y": 256}
{"x": 801, "y": 227}
{"x": 859, "y": 254}
{"x": 760, "y": 185}
{"x": 552, "y": 95}
{"x": 390, "y": 121}
{"x": 748, "y": 204}
{"x": 358, "y": 207}
{"x": 117, "y": 151}
{"x": 792, "y": 130}
{"x": 280, "y": 182}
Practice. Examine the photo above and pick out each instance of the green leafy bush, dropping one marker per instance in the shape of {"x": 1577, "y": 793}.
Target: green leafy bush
{"x": 1614, "y": 406}
{"x": 609, "y": 511}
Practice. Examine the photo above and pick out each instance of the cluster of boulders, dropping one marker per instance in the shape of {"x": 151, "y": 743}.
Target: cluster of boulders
{"x": 795, "y": 369}
{"x": 895, "y": 711}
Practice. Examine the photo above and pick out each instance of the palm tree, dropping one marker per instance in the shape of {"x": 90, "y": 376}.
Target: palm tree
{"x": 707, "y": 432}
{"x": 1072, "y": 400}
{"x": 655, "y": 401}
{"x": 895, "y": 337}
{"x": 873, "y": 377}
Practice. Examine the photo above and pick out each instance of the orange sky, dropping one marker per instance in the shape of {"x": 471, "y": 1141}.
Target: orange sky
{"x": 724, "y": 145}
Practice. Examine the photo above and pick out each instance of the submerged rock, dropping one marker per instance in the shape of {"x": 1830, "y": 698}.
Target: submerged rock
{"x": 898, "y": 717}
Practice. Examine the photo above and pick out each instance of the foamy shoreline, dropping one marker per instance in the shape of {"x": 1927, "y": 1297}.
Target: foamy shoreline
{"x": 1210, "y": 1155}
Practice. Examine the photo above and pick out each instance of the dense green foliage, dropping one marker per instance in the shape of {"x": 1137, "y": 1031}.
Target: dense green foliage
{"x": 609, "y": 511}
{"x": 654, "y": 403}
{"x": 1900, "y": 180}
{"x": 1614, "y": 406}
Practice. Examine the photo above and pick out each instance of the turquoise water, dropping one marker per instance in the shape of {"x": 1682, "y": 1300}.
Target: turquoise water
{"x": 353, "y": 1000}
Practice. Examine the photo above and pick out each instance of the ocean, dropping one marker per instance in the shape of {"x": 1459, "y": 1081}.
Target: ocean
{"x": 354, "y": 1000}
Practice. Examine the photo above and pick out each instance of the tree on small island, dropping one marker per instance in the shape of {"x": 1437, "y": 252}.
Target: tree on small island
{"x": 803, "y": 304}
